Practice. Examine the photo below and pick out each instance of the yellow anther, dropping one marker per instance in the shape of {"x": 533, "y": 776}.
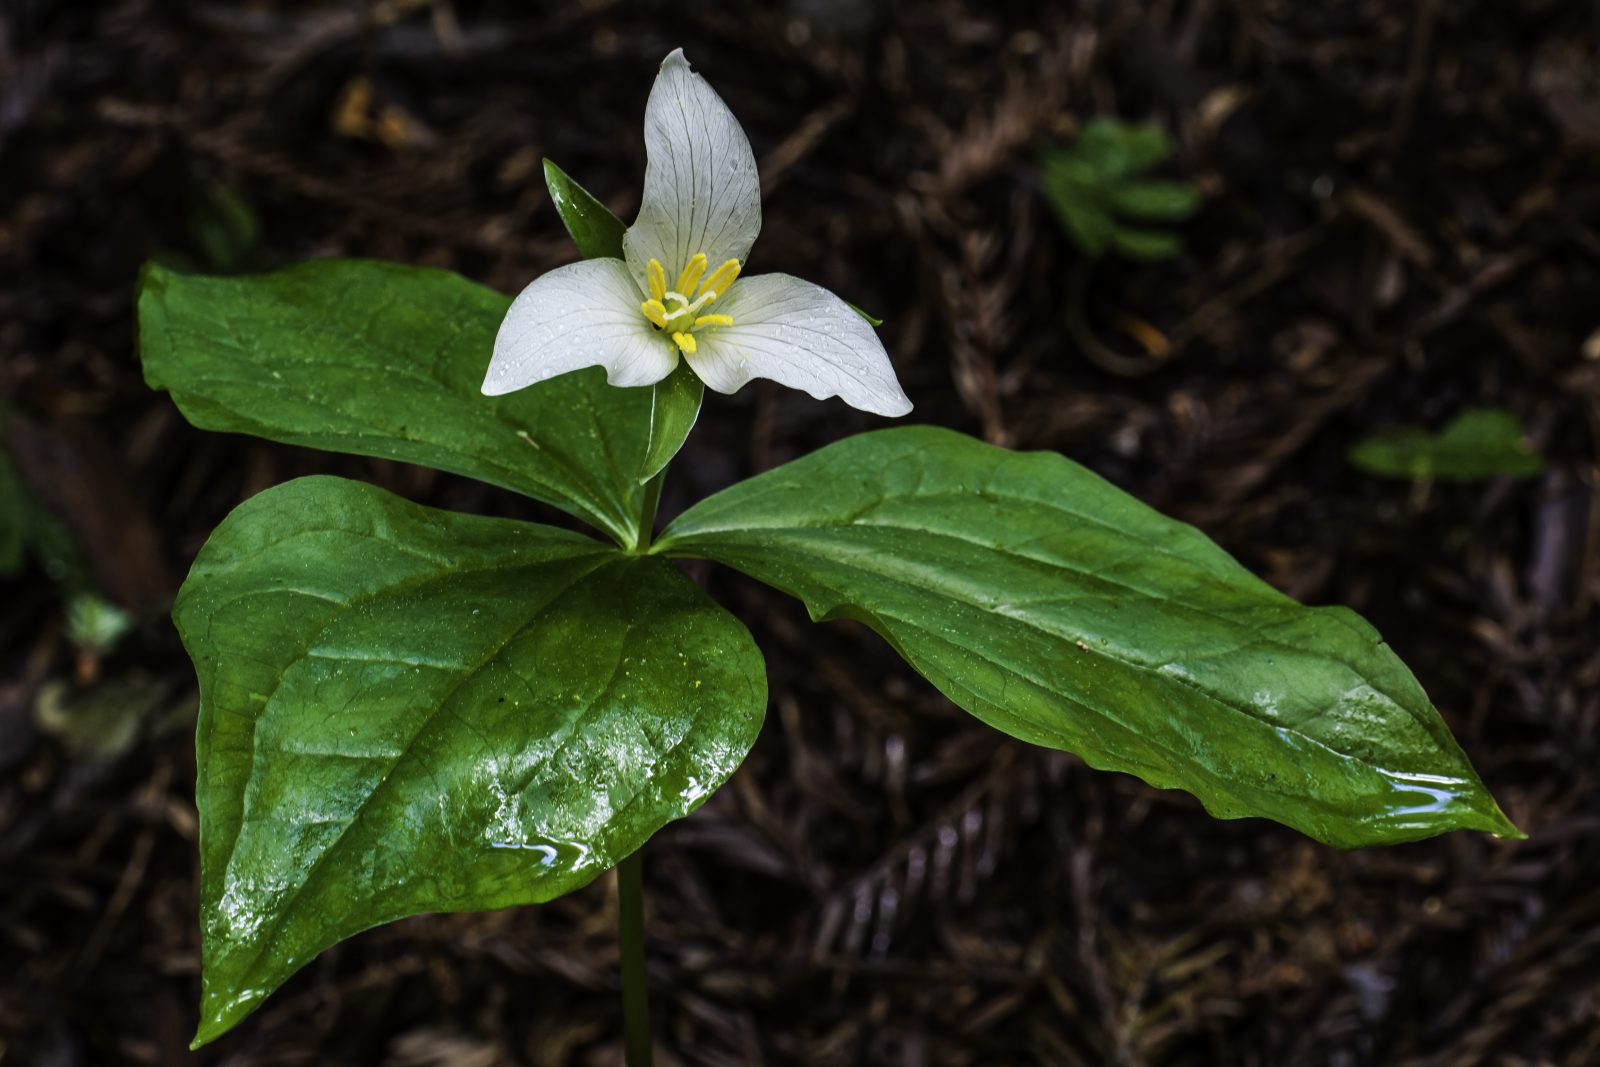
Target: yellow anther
{"x": 655, "y": 311}
{"x": 657, "y": 279}
{"x": 721, "y": 278}
{"x": 691, "y": 274}
{"x": 713, "y": 320}
{"x": 685, "y": 342}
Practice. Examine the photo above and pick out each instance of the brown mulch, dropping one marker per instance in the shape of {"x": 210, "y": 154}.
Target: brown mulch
{"x": 1403, "y": 202}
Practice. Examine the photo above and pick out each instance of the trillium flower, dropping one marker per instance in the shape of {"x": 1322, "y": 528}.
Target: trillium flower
{"x": 678, "y": 293}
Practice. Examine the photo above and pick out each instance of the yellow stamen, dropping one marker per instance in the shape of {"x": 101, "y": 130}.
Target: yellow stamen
{"x": 657, "y": 279}
{"x": 685, "y": 342}
{"x": 691, "y": 274}
{"x": 713, "y": 320}
{"x": 721, "y": 278}
{"x": 655, "y": 311}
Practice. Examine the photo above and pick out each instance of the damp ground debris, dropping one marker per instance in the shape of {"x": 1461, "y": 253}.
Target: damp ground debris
{"x": 1399, "y": 224}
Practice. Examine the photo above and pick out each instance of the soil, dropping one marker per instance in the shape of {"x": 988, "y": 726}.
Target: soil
{"x": 1400, "y": 223}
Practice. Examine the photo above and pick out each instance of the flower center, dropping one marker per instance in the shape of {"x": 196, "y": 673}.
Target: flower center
{"x": 676, "y": 312}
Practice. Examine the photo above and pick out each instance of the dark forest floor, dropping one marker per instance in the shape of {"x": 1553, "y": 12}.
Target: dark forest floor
{"x": 1403, "y": 220}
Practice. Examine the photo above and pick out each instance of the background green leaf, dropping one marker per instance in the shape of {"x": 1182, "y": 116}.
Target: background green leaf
{"x": 1479, "y": 443}
{"x": 1094, "y": 182}
{"x": 1154, "y": 200}
{"x": 408, "y": 710}
{"x": 27, "y": 527}
{"x": 1062, "y": 611}
{"x": 222, "y": 225}
{"x": 1117, "y": 149}
{"x": 1145, "y": 244}
{"x": 381, "y": 359}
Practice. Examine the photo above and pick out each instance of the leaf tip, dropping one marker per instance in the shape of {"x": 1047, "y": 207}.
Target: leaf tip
{"x": 210, "y": 1028}
{"x": 1504, "y": 829}
{"x": 1481, "y": 812}
{"x": 151, "y": 283}
{"x": 223, "y": 1007}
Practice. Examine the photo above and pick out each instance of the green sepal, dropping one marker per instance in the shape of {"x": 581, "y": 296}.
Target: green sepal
{"x": 875, "y": 322}
{"x": 594, "y": 229}
{"x": 675, "y": 405}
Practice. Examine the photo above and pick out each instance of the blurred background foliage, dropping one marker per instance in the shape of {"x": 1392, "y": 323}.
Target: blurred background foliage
{"x": 1098, "y": 186}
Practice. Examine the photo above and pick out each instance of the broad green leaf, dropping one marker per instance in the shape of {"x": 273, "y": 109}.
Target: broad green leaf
{"x": 1477, "y": 444}
{"x": 406, "y": 710}
{"x": 1062, "y": 611}
{"x": 675, "y": 407}
{"x": 386, "y": 360}
{"x": 594, "y": 229}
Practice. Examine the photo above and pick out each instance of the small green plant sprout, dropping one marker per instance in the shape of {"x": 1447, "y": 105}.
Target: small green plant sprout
{"x": 1477, "y": 444}
{"x": 1096, "y": 185}
{"x": 222, "y": 225}
{"x": 28, "y": 529}
{"x": 407, "y": 710}
{"x": 96, "y": 625}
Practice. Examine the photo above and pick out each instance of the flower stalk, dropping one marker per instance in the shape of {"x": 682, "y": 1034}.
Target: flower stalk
{"x": 630, "y": 940}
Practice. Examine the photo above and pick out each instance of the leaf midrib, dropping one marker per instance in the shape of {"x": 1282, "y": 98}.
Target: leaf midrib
{"x": 799, "y": 540}
{"x": 515, "y": 479}
{"x": 319, "y": 864}
{"x": 843, "y": 597}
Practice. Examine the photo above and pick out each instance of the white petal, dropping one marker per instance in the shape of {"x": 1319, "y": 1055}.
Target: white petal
{"x": 701, "y": 193}
{"x": 803, "y": 336}
{"x": 581, "y": 315}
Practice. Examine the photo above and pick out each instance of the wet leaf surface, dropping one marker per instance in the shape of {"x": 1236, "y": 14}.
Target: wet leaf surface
{"x": 406, "y": 710}
{"x": 382, "y": 359}
{"x": 1057, "y": 608}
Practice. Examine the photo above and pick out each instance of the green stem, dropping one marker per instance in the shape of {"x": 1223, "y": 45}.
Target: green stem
{"x": 630, "y": 876}
{"x": 630, "y": 938}
{"x": 647, "y": 512}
